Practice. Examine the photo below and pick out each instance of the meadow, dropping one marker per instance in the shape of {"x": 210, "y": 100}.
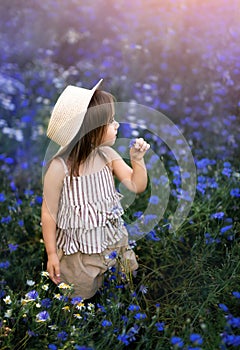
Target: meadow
{"x": 181, "y": 59}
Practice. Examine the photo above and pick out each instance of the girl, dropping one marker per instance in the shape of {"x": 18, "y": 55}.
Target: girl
{"x": 81, "y": 212}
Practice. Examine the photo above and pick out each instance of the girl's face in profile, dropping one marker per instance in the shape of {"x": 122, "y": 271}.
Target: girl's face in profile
{"x": 111, "y": 133}
{"x": 110, "y": 136}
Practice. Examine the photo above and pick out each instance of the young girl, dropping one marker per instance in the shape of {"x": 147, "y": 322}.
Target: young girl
{"x": 81, "y": 212}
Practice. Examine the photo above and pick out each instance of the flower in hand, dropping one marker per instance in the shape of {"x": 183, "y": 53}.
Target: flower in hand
{"x": 138, "y": 148}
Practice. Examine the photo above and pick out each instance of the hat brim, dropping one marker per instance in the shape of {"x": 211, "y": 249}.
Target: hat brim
{"x": 63, "y": 149}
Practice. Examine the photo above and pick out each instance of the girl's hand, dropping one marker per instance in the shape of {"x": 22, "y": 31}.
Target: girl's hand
{"x": 138, "y": 149}
{"x": 53, "y": 268}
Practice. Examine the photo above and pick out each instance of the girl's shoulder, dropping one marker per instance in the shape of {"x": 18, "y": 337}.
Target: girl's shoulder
{"x": 57, "y": 167}
{"x": 110, "y": 154}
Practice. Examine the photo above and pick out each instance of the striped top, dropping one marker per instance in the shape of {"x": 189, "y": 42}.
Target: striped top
{"x": 89, "y": 214}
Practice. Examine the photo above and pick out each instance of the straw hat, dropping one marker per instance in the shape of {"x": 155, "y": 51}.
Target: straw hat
{"x": 68, "y": 114}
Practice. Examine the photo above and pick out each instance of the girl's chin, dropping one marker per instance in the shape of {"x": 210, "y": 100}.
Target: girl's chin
{"x": 109, "y": 142}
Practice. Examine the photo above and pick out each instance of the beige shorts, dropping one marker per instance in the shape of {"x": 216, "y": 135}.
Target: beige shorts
{"x": 85, "y": 272}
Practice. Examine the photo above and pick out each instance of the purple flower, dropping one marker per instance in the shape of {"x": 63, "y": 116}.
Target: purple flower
{"x": 106, "y": 323}
{"x": 235, "y": 192}
{"x": 223, "y": 307}
{"x": 143, "y": 289}
{"x": 133, "y": 307}
{"x": 32, "y": 333}
{"x": 140, "y": 316}
{"x": 32, "y": 295}
{"x": 132, "y": 143}
{"x": 46, "y": 303}
{"x": 12, "y": 247}
{"x": 160, "y": 326}
{"x": 236, "y": 294}
{"x": 2, "y": 197}
{"x": 124, "y": 339}
{"x": 62, "y": 336}
{"x": 42, "y": 316}
{"x": 4, "y": 264}
{"x": 76, "y": 300}
{"x": 152, "y": 236}
{"x": 218, "y": 215}
{"x": 113, "y": 255}
{"x": 6, "y": 219}
{"x": 38, "y": 199}
{"x": 177, "y": 341}
{"x": 225, "y": 228}
{"x": 196, "y": 339}
{"x": 154, "y": 199}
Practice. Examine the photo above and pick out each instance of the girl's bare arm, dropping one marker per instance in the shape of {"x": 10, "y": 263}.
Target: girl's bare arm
{"x": 135, "y": 177}
{"x": 52, "y": 187}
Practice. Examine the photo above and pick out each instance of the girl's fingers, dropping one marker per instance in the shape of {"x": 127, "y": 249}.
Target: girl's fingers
{"x": 141, "y": 145}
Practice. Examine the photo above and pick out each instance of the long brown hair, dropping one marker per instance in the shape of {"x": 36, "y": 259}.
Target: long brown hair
{"x": 99, "y": 113}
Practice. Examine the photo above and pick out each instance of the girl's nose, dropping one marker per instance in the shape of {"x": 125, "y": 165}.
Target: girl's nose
{"x": 116, "y": 124}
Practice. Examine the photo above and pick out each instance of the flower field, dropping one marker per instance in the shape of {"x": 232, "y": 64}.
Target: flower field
{"x": 181, "y": 59}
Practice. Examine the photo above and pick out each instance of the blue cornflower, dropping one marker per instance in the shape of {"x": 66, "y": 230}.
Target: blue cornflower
{"x": 32, "y": 295}
{"x": 52, "y": 346}
{"x": 81, "y": 347}
{"x": 227, "y": 172}
{"x": 209, "y": 239}
{"x": 6, "y": 219}
{"x": 231, "y": 339}
{"x": 154, "y": 158}
{"x": 152, "y": 236}
{"x": 2, "y": 197}
{"x": 154, "y": 199}
{"x": 26, "y": 119}
{"x": 149, "y": 217}
{"x": 32, "y": 333}
{"x": 140, "y": 316}
{"x": 218, "y": 215}
{"x": 236, "y": 294}
{"x": 20, "y": 223}
{"x": 133, "y": 307}
{"x": 138, "y": 214}
{"x": 4, "y": 264}
{"x": 28, "y": 192}
{"x": 132, "y": 332}
{"x": 177, "y": 341}
{"x": 225, "y": 228}
{"x": 46, "y": 303}
{"x": 233, "y": 321}
{"x": 2, "y": 293}
{"x": 132, "y": 143}
{"x": 223, "y": 307}
{"x": 176, "y": 87}
{"x": 38, "y": 199}
{"x": 101, "y": 307}
{"x": 62, "y": 336}
{"x": 143, "y": 289}
{"x": 196, "y": 339}
{"x": 76, "y": 300}
{"x": 9, "y": 160}
{"x": 42, "y": 316}
{"x": 125, "y": 319}
{"x": 160, "y": 326}
{"x": 106, "y": 323}
{"x": 235, "y": 192}
{"x": 113, "y": 255}
{"x": 12, "y": 247}
{"x": 124, "y": 339}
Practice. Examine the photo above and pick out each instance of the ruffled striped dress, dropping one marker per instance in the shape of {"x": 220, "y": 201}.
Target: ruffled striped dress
{"x": 90, "y": 213}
